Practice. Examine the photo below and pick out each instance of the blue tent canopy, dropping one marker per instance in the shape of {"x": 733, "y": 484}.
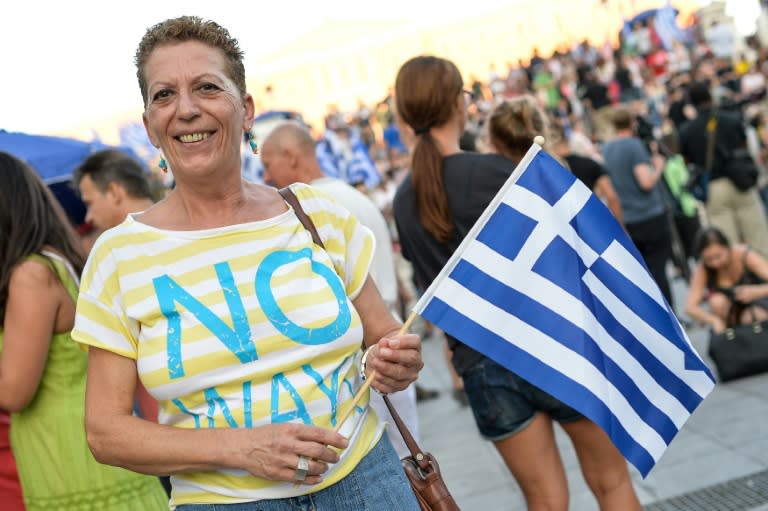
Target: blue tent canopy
{"x": 645, "y": 15}
{"x": 53, "y": 158}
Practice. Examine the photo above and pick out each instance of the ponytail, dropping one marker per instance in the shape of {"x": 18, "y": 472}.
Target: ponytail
{"x": 434, "y": 213}
{"x": 426, "y": 89}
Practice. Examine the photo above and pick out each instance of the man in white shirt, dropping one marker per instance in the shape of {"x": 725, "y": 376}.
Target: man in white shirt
{"x": 721, "y": 40}
{"x": 288, "y": 156}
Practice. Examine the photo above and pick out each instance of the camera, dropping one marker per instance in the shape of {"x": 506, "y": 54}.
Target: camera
{"x": 644, "y": 129}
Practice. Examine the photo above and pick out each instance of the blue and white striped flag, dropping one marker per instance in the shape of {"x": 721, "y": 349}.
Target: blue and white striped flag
{"x": 347, "y": 159}
{"x": 666, "y": 27}
{"x": 549, "y": 285}
{"x": 360, "y": 167}
{"x": 326, "y": 159}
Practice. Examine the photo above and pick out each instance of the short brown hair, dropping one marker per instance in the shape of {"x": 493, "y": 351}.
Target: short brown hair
{"x": 513, "y": 125}
{"x": 622, "y": 118}
{"x": 113, "y": 166}
{"x": 190, "y": 28}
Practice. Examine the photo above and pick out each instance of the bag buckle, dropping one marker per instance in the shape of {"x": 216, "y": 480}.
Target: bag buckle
{"x": 730, "y": 334}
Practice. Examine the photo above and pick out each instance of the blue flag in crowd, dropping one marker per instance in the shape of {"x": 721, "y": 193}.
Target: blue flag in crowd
{"x": 326, "y": 158}
{"x": 666, "y": 27}
{"x": 361, "y": 168}
{"x": 347, "y": 158}
{"x": 549, "y": 285}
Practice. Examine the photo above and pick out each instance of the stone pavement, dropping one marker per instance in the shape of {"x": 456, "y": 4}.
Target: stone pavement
{"x": 726, "y": 438}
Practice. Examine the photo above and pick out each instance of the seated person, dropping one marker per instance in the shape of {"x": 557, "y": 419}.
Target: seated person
{"x": 733, "y": 280}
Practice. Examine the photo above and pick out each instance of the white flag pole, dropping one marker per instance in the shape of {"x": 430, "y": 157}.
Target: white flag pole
{"x": 472, "y": 234}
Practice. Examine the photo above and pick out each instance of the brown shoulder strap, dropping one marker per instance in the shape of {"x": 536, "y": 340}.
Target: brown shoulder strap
{"x": 711, "y": 135}
{"x": 307, "y": 222}
{"x": 416, "y": 451}
{"x": 309, "y": 225}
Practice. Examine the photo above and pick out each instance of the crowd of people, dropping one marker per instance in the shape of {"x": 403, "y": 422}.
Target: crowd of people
{"x": 661, "y": 134}
{"x": 210, "y": 352}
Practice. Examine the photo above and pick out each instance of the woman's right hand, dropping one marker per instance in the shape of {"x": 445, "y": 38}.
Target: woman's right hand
{"x": 748, "y": 293}
{"x": 272, "y": 451}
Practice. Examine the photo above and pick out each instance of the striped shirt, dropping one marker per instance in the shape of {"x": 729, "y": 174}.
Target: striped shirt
{"x": 238, "y": 327}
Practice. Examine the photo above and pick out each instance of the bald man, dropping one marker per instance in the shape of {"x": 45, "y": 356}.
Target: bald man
{"x": 288, "y": 156}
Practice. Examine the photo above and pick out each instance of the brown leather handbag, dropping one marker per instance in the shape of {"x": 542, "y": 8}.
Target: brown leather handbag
{"x": 420, "y": 467}
{"x": 423, "y": 472}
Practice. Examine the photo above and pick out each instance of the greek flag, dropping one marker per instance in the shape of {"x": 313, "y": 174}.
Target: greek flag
{"x": 549, "y": 285}
{"x": 347, "y": 158}
{"x": 360, "y": 167}
{"x": 326, "y": 158}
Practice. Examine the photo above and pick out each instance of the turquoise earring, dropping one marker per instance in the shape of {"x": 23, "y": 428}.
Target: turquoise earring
{"x": 163, "y": 165}
{"x": 252, "y": 142}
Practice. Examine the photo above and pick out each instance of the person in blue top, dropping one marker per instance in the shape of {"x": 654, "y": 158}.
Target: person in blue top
{"x": 635, "y": 175}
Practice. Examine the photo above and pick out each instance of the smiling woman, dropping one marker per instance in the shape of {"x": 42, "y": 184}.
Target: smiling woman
{"x": 244, "y": 330}
{"x": 194, "y": 112}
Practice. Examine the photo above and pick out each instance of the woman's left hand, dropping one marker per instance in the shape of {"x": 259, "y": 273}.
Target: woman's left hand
{"x": 748, "y": 293}
{"x": 397, "y": 362}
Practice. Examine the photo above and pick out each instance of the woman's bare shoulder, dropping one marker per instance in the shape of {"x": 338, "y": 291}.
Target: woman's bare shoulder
{"x": 742, "y": 252}
{"x": 752, "y": 257}
{"x": 739, "y": 248}
{"x": 32, "y": 271}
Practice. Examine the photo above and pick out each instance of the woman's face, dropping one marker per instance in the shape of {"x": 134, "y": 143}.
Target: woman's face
{"x": 194, "y": 112}
{"x": 716, "y": 256}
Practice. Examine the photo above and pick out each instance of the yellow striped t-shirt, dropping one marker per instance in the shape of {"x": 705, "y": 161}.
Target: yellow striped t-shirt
{"x": 238, "y": 327}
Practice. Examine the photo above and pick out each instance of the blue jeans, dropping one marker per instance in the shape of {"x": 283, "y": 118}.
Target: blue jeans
{"x": 503, "y": 403}
{"x": 377, "y": 483}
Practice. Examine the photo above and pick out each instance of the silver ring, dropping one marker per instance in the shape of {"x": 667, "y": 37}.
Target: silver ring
{"x": 302, "y": 468}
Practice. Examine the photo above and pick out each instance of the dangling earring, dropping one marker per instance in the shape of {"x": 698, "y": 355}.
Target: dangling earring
{"x": 252, "y": 142}
{"x": 163, "y": 165}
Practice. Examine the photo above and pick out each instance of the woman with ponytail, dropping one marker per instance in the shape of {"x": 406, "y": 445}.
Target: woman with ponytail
{"x": 435, "y": 207}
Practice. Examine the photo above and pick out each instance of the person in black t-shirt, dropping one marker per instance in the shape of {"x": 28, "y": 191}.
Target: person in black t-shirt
{"x": 594, "y": 94}
{"x": 739, "y": 214}
{"x": 623, "y": 77}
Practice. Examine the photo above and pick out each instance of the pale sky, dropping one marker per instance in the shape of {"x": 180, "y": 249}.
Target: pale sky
{"x": 66, "y": 63}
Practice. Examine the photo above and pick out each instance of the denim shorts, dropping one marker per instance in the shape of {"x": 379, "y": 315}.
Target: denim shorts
{"x": 377, "y": 483}
{"x": 503, "y": 403}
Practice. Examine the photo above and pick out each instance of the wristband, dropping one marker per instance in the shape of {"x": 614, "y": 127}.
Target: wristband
{"x": 362, "y": 366}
